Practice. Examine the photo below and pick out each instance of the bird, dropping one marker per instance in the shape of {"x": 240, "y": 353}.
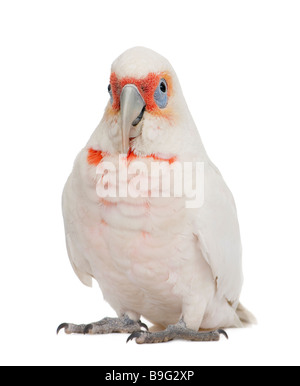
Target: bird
{"x": 168, "y": 259}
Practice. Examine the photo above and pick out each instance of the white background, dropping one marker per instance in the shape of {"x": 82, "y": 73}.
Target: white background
{"x": 239, "y": 67}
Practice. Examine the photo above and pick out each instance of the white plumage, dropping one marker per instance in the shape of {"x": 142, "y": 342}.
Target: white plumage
{"x": 153, "y": 257}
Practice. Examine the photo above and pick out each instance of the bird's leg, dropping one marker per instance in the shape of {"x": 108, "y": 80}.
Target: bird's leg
{"x": 176, "y": 331}
{"x": 105, "y": 326}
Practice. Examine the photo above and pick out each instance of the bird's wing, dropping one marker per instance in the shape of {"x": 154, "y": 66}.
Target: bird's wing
{"x": 72, "y": 222}
{"x": 217, "y": 231}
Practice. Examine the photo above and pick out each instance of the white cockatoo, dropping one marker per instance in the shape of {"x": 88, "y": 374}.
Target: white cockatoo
{"x": 154, "y": 256}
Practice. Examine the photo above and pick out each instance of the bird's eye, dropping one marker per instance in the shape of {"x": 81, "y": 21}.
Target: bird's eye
{"x": 163, "y": 87}
{"x": 110, "y": 93}
{"x": 161, "y": 95}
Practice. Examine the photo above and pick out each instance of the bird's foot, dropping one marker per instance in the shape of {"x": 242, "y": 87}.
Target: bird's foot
{"x": 105, "y": 326}
{"x": 176, "y": 331}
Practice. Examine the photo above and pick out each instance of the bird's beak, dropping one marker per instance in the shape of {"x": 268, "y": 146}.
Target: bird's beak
{"x": 132, "y": 107}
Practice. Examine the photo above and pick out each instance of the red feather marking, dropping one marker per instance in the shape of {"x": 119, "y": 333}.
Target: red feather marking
{"x": 132, "y": 156}
{"x": 94, "y": 156}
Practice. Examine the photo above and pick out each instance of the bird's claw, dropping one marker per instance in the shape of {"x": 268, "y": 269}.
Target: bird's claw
{"x": 136, "y": 335}
{"x": 143, "y": 325}
{"x": 87, "y": 328}
{"x": 223, "y": 332}
{"x": 61, "y": 326}
{"x": 175, "y": 332}
{"x": 104, "y": 326}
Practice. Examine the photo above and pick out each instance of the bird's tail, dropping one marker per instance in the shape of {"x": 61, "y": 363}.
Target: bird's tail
{"x": 245, "y": 316}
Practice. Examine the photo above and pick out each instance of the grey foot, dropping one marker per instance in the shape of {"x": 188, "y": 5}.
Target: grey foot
{"x": 177, "y": 331}
{"x": 104, "y": 326}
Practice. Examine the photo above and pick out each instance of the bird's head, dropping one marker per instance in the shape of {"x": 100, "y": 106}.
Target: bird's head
{"x": 146, "y": 113}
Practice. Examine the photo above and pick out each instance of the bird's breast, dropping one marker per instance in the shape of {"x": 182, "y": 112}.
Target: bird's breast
{"x": 135, "y": 193}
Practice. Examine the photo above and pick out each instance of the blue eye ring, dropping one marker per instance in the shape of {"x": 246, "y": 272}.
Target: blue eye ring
{"x": 161, "y": 94}
{"x": 110, "y": 93}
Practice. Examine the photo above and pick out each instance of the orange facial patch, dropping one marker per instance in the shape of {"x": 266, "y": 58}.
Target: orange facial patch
{"x": 146, "y": 87}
